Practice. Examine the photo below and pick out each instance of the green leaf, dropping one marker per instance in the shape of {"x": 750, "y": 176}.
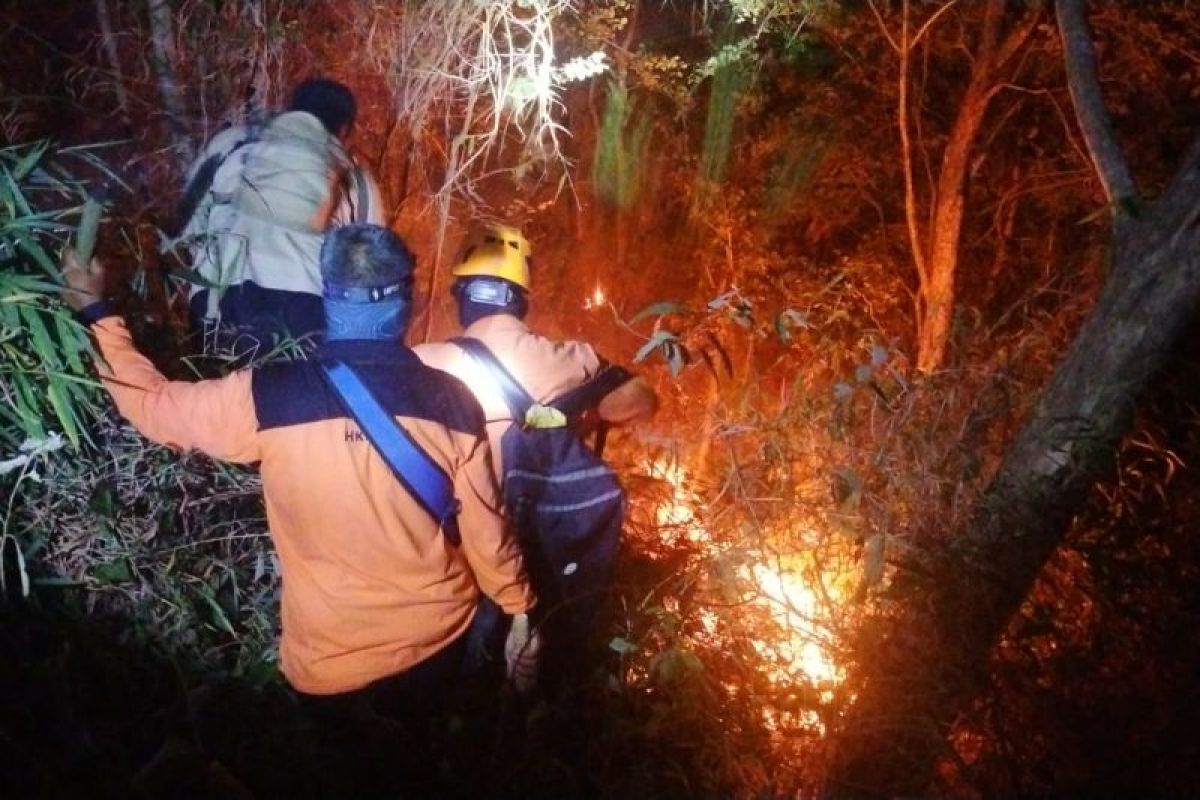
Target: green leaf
{"x": 782, "y": 329}
{"x": 194, "y": 276}
{"x": 12, "y": 569}
{"x": 217, "y": 614}
{"x": 34, "y": 250}
{"x": 657, "y": 339}
{"x": 16, "y": 197}
{"x": 720, "y": 301}
{"x": 43, "y": 345}
{"x": 742, "y": 315}
{"x": 30, "y": 160}
{"x": 847, "y": 488}
{"x": 103, "y": 500}
{"x": 659, "y": 310}
{"x": 113, "y": 572}
{"x": 622, "y": 646}
{"x": 68, "y": 336}
{"x": 62, "y": 409}
{"x": 27, "y": 406}
{"x": 873, "y": 560}
{"x": 677, "y": 357}
{"x": 795, "y": 318}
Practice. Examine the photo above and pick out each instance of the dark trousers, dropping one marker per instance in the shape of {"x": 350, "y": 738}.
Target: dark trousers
{"x": 376, "y": 739}
{"x": 410, "y": 698}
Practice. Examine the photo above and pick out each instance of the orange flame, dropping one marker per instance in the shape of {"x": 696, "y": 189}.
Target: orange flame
{"x": 802, "y": 601}
{"x": 595, "y": 300}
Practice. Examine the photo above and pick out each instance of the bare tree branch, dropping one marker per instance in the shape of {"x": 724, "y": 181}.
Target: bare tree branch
{"x": 883, "y": 26}
{"x": 1079, "y": 56}
{"x": 910, "y": 195}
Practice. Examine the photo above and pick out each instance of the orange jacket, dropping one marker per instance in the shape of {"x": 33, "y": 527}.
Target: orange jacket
{"x": 544, "y": 368}
{"x": 370, "y": 585}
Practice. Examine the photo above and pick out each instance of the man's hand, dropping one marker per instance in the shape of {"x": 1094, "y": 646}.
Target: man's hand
{"x": 521, "y": 651}
{"x": 84, "y": 283}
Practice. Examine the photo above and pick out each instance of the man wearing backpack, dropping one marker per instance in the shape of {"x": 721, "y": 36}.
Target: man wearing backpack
{"x": 381, "y": 577}
{"x": 566, "y": 504}
{"x": 258, "y": 202}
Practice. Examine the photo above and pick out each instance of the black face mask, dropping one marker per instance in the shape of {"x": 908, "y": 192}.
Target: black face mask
{"x": 482, "y": 297}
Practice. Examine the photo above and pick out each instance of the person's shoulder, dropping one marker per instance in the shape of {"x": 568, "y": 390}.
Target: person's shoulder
{"x": 288, "y": 393}
{"x": 227, "y": 139}
{"x": 573, "y": 350}
{"x": 453, "y": 401}
{"x": 435, "y": 354}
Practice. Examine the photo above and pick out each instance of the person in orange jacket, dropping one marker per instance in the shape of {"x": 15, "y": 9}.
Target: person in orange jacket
{"x": 492, "y": 283}
{"x": 376, "y": 596}
{"x": 493, "y": 279}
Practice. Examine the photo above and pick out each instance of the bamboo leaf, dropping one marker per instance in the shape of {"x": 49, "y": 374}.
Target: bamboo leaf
{"x": 13, "y": 575}
{"x": 43, "y": 345}
{"x": 68, "y": 339}
{"x": 657, "y": 339}
{"x": 57, "y": 395}
{"x": 34, "y": 250}
{"x": 874, "y": 554}
{"x": 658, "y": 310}
{"x": 15, "y": 195}
{"x": 114, "y": 572}
{"x": 217, "y": 614}
{"x": 30, "y": 160}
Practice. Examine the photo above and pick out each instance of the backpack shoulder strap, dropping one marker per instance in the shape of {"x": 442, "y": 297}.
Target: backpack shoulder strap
{"x": 515, "y": 396}
{"x": 202, "y": 181}
{"x": 592, "y": 391}
{"x": 412, "y": 466}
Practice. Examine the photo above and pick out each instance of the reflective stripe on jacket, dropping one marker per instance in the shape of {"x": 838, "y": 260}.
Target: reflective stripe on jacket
{"x": 370, "y": 585}
{"x": 543, "y": 367}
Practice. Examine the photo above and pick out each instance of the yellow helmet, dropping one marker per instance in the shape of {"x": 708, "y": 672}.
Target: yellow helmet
{"x": 496, "y": 251}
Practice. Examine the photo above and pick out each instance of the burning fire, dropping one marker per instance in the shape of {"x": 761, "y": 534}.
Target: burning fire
{"x": 595, "y": 300}
{"x": 801, "y": 595}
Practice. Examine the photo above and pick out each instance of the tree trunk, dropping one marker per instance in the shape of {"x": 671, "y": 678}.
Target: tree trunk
{"x": 936, "y": 253}
{"x": 163, "y": 58}
{"x": 933, "y": 661}
{"x": 109, "y": 43}
{"x": 938, "y": 291}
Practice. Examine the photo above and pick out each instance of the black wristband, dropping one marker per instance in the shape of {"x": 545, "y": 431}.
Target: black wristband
{"x": 94, "y": 312}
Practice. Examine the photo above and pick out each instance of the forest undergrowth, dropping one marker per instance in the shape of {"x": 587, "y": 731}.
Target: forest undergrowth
{"x": 145, "y": 638}
{"x": 783, "y": 504}
{"x": 142, "y": 589}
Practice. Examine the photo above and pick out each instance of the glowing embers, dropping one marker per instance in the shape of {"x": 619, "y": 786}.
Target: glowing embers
{"x": 595, "y": 300}
{"x": 779, "y": 589}
{"x": 804, "y": 607}
{"x": 675, "y": 514}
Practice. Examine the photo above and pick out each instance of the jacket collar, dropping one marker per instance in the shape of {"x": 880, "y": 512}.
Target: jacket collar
{"x": 299, "y": 124}
{"x": 495, "y": 323}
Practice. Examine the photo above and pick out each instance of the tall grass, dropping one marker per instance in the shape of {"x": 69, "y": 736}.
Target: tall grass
{"x": 44, "y": 379}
